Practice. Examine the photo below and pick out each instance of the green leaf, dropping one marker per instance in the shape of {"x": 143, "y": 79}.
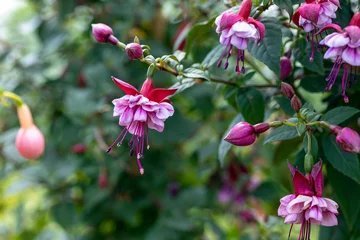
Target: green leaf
{"x": 282, "y": 133}
{"x": 348, "y": 196}
{"x": 250, "y": 103}
{"x": 313, "y": 83}
{"x": 340, "y": 114}
{"x": 300, "y": 128}
{"x": 314, "y": 145}
{"x": 346, "y": 163}
{"x": 303, "y": 53}
{"x": 286, "y": 4}
{"x": 213, "y": 56}
{"x": 195, "y": 73}
{"x": 224, "y": 146}
{"x": 199, "y": 30}
{"x": 268, "y": 51}
{"x": 183, "y": 84}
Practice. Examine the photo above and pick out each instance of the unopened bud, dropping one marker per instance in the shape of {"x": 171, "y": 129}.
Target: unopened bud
{"x": 349, "y": 140}
{"x": 103, "y": 181}
{"x": 285, "y": 67}
{"x": 261, "y": 127}
{"x": 287, "y": 90}
{"x": 296, "y": 103}
{"x": 308, "y": 162}
{"x": 103, "y": 33}
{"x": 78, "y": 148}
{"x": 134, "y": 51}
{"x": 242, "y": 134}
{"x": 335, "y": 129}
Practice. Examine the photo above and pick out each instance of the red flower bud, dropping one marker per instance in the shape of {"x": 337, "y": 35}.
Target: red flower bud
{"x": 103, "y": 181}
{"x": 287, "y": 90}
{"x": 261, "y": 127}
{"x": 242, "y": 134}
{"x": 103, "y": 33}
{"x": 296, "y": 103}
{"x": 285, "y": 67}
{"x": 78, "y": 148}
{"x": 348, "y": 140}
{"x": 134, "y": 51}
{"x": 29, "y": 140}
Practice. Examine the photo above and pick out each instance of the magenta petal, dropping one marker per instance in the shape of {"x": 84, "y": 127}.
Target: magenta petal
{"x": 336, "y": 3}
{"x": 299, "y": 204}
{"x": 245, "y": 9}
{"x": 331, "y": 205}
{"x": 329, "y": 219}
{"x": 317, "y": 176}
{"x": 302, "y": 185}
{"x": 310, "y": 12}
{"x": 291, "y": 168}
{"x": 158, "y": 94}
{"x": 127, "y": 88}
{"x": 351, "y": 56}
{"x": 314, "y": 213}
{"x": 331, "y": 26}
{"x": 140, "y": 115}
{"x": 292, "y": 218}
{"x": 227, "y": 19}
{"x": 355, "y": 20}
{"x": 354, "y": 33}
{"x": 259, "y": 26}
{"x": 127, "y": 117}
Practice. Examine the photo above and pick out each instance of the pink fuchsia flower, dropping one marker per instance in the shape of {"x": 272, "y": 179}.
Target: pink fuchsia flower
{"x": 313, "y": 15}
{"x": 307, "y": 206}
{"x": 348, "y": 139}
{"x": 140, "y": 110}
{"x": 104, "y": 34}
{"x": 29, "y": 141}
{"x": 134, "y": 51}
{"x": 344, "y": 49}
{"x": 236, "y": 30}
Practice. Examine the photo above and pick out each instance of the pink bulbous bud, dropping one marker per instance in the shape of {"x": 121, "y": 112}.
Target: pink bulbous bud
{"x": 296, "y": 103}
{"x": 285, "y": 68}
{"x": 103, "y": 180}
{"x": 287, "y": 90}
{"x": 78, "y": 148}
{"x": 29, "y": 140}
{"x": 348, "y": 140}
{"x": 134, "y": 51}
{"x": 335, "y": 129}
{"x": 242, "y": 134}
{"x": 261, "y": 127}
{"x": 103, "y": 33}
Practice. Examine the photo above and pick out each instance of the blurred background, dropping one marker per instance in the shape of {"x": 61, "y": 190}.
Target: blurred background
{"x": 76, "y": 191}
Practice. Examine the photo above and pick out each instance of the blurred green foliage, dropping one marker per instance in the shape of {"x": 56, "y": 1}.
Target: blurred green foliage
{"x": 49, "y": 57}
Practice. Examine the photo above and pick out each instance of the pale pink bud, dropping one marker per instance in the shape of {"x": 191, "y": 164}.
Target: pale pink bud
{"x": 287, "y": 90}
{"x": 285, "y": 67}
{"x": 134, "y": 51}
{"x": 103, "y": 33}
{"x": 348, "y": 140}
{"x": 261, "y": 127}
{"x": 296, "y": 103}
{"x": 29, "y": 140}
{"x": 242, "y": 134}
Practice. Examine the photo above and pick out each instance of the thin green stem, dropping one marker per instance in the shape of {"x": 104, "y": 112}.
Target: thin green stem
{"x": 262, "y": 9}
{"x": 249, "y": 61}
{"x": 289, "y": 124}
{"x": 309, "y": 141}
{"x": 14, "y": 97}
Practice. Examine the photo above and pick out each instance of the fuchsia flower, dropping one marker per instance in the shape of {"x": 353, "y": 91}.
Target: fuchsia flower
{"x": 307, "y": 206}
{"x": 236, "y": 30}
{"x": 344, "y": 49}
{"x": 348, "y": 139}
{"x": 139, "y": 111}
{"x": 313, "y": 15}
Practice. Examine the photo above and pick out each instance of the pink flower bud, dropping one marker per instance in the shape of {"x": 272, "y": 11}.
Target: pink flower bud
{"x": 261, "y": 127}
{"x": 296, "y": 103}
{"x": 103, "y": 33}
{"x": 103, "y": 180}
{"x": 242, "y": 134}
{"x": 29, "y": 140}
{"x": 79, "y": 148}
{"x": 348, "y": 140}
{"x": 285, "y": 67}
{"x": 335, "y": 129}
{"x": 287, "y": 90}
{"x": 134, "y": 51}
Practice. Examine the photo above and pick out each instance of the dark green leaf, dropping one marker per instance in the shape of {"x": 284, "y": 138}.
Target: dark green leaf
{"x": 250, "y": 103}
{"x": 346, "y": 163}
{"x": 224, "y": 146}
{"x": 195, "y": 73}
{"x": 286, "y": 4}
{"x": 183, "y": 84}
{"x": 281, "y": 133}
{"x": 313, "y": 83}
{"x": 300, "y": 128}
{"x": 213, "y": 56}
{"x": 268, "y": 51}
{"x": 340, "y": 114}
{"x": 303, "y": 53}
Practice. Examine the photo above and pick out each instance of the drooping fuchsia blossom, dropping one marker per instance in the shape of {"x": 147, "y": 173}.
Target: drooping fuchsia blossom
{"x": 139, "y": 111}
{"x": 307, "y": 206}
{"x": 348, "y": 139}
{"x": 313, "y": 15}
{"x": 344, "y": 49}
{"x": 236, "y": 30}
